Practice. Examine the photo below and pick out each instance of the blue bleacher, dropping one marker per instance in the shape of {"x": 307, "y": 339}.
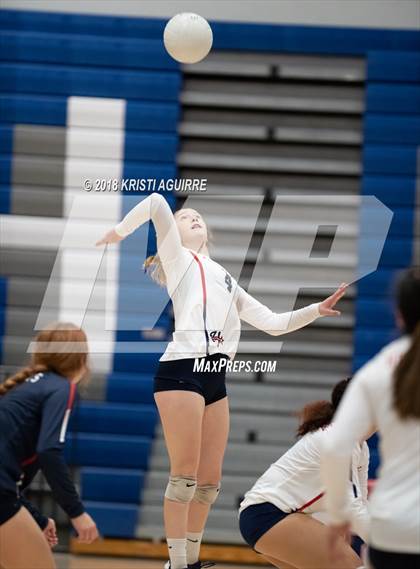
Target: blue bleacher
{"x": 117, "y": 451}
{"x": 368, "y": 340}
{"x": 390, "y": 159}
{"x": 394, "y": 66}
{"x": 380, "y": 283}
{"x": 5, "y": 170}
{"x": 3, "y": 296}
{"x": 117, "y": 484}
{"x": 113, "y": 518}
{"x": 85, "y": 82}
{"x": 156, "y": 147}
{"x": 126, "y": 387}
{"x": 55, "y": 22}
{"x": 392, "y": 136}
{"x": 390, "y": 189}
{"x": 4, "y": 197}
{"x": 52, "y": 110}
{"x": 372, "y": 312}
{"x": 386, "y": 129}
{"x": 6, "y": 139}
{"x": 114, "y": 418}
{"x": 72, "y": 49}
{"x": 393, "y": 98}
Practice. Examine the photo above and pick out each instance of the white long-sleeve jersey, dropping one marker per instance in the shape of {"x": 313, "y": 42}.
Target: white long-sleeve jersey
{"x": 293, "y": 483}
{"x": 395, "y": 502}
{"x": 208, "y": 302}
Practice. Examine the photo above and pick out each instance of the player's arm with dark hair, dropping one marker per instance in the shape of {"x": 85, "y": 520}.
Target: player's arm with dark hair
{"x": 55, "y": 413}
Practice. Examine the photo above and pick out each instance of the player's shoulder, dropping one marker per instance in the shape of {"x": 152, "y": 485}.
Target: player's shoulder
{"x": 382, "y": 365}
{"x": 53, "y": 383}
{"x": 314, "y": 439}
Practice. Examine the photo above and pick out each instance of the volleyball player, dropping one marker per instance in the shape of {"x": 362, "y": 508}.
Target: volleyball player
{"x": 277, "y": 516}
{"x": 35, "y": 406}
{"x": 384, "y": 393}
{"x": 208, "y": 304}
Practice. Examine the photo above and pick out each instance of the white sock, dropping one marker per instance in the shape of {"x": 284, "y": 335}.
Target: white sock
{"x": 193, "y": 547}
{"x": 177, "y": 553}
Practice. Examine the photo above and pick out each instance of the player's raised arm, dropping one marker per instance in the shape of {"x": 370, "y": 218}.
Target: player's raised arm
{"x": 257, "y": 314}
{"x": 153, "y": 208}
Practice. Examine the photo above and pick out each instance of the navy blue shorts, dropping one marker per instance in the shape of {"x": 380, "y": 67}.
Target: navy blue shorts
{"x": 392, "y": 560}
{"x": 9, "y": 506}
{"x": 173, "y": 375}
{"x": 257, "y": 519}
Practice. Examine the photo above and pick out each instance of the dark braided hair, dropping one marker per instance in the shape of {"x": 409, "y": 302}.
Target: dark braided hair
{"x": 319, "y": 414}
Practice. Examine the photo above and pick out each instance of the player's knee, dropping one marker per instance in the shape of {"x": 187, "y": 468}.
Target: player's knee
{"x": 207, "y": 493}
{"x": 181, "y": 489}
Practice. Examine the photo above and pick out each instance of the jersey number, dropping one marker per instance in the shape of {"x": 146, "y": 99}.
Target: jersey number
{"x": 228, "y": 281}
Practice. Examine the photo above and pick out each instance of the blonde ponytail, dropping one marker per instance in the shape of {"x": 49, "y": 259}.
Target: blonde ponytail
{"x": 153, "y": 267}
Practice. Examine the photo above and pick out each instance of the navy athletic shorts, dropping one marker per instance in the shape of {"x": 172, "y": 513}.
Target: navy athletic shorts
{"x": 179, "y": 374}
{"x": 392, "y": 560}
{"x": 9, "y": 506}
{"x": 257, "y": 519}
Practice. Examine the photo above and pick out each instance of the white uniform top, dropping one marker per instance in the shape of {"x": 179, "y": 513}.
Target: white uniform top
{"x": 395, "y": 501}
{"x": 293, "y": 483}
{"x": 208, "y": 303}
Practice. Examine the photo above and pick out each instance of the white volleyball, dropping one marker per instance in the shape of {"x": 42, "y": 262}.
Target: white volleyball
{"x": 188, "y": 38}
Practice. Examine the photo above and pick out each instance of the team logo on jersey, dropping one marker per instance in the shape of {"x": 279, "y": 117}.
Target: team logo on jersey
{"x": 228, "y": 281}
{"x": 217, "y": 336}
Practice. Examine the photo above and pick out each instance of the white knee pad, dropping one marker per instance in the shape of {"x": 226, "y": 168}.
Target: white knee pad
{"x": 181, "y": 489}
{"x": 207, "y": 494}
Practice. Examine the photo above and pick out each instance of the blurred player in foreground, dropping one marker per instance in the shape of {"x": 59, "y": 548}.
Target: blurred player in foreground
{"x": 385, "y": 395}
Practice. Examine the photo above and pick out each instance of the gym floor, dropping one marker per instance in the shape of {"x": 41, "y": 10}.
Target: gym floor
{"x": 65, "y": 561}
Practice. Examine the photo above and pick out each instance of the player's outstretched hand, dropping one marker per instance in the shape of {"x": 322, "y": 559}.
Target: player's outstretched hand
{"x": 110, "y": 237}
{"x": 326, "y": 308}
{"x": 86, "y": 528}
